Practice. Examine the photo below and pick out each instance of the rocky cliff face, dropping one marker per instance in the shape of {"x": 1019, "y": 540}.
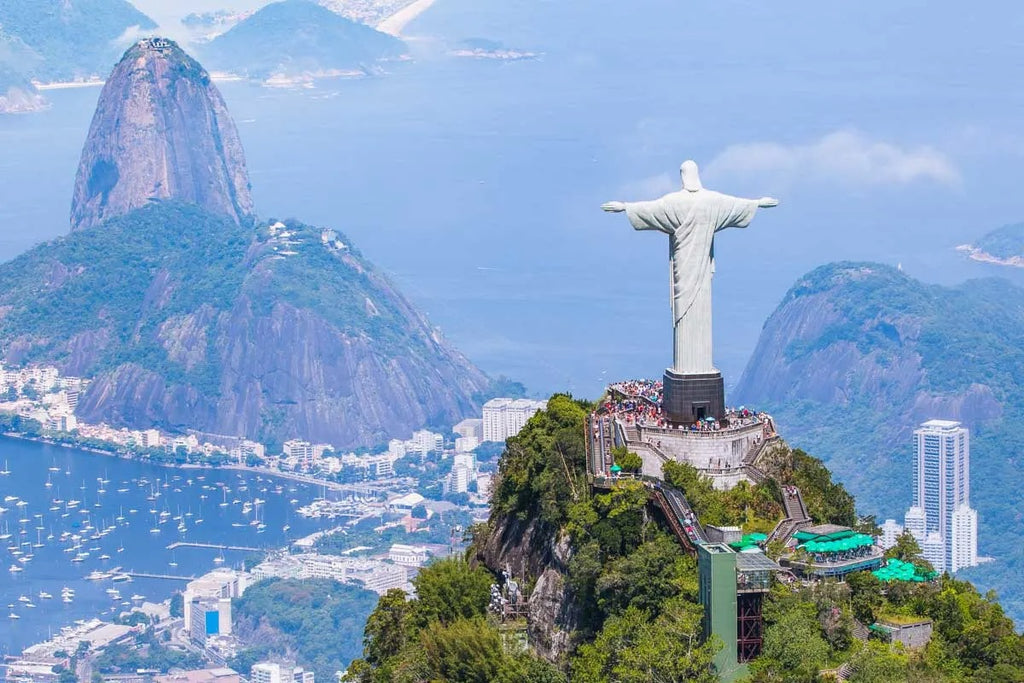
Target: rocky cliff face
{"x": 186, "y": 320}
{"x": 161, "y": 131}
{"x": 528, "y": 549}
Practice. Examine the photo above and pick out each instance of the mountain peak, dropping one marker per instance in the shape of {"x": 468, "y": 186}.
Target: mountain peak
{"x": 161, "y": 131}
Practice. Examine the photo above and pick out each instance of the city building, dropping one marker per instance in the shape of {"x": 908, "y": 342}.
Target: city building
{"x": 891, "y": 530}
{"x": 942, "y": 485}
{"x": 424, "y": 442}
{"x": 219, "y": 675}
{"x": 471, "y": 428}
{"x": 463, "y": 473}
{"x": 301, "y": 452}
{"x": 964, "y": 543}
{"x": 207, "y": 602}
{"x": 408, "y": 555}
{"x": 465, "y": 444}
{"x": 396, "y": 449}
{"x": 933, "y": 549}
{"x": 276, "y": 672}
{"x": 504, "y": 417}
{"x": 208, "y": 616}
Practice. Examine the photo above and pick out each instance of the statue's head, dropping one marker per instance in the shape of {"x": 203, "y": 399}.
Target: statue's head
{"x": 691, "y": 177}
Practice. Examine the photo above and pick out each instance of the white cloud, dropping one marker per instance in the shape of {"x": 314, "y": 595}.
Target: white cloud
{"x": 845, "y": 156}
{"x": 132, "y": 35}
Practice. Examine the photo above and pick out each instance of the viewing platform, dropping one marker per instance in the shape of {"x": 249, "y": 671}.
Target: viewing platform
{"x": 828, "y": 550}
{"x": 725, "y": 450}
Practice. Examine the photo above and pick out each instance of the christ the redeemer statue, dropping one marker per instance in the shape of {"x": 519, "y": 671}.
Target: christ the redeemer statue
{"x": 690, "y": 218}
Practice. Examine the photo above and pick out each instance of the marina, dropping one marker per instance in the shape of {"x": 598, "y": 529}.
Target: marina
{"x": 76, "y": 528}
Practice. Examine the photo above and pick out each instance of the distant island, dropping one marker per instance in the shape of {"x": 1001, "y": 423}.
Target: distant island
{"x": 1003, "y": 246}
{"x": 482, "y": 48}
{"x": 293, "y": 41}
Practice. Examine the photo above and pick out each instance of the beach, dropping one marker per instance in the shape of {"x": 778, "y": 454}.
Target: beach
{"x": 396, "y": 23}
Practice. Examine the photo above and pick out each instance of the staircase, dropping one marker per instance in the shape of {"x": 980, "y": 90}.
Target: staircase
{"x": 796, "y": 515}
{"x": 794, "y": 504}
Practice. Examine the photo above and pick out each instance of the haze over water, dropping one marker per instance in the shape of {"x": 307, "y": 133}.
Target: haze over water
{"x": 130, "y": 486}
{"x": 477, "y": 183}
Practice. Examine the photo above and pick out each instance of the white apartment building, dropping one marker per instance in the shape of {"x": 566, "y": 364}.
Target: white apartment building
{"x": 964, "y": 544}
{"x": 891, "y": 530}
{"x": 942, "y": 485}
{"x": 408, "y": 555}
{"x": 933, "y": 549}
{"x": 466, "y": 444}
{"x": 299, "y": 451}
{"x": 396, "y": 449}
{"x": 423, "y": 442}
{"x": 274, "y": 672}
{"x": 504, "y": 417}
{"x": 219, "y": 583}
{"x": 150, "y": 438}
{"x": 471, "y": 428}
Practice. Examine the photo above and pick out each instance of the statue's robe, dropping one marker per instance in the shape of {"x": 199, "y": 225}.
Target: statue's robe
{"x": 691, "y": 219}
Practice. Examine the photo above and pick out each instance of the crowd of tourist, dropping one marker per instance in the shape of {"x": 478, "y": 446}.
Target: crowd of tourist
{"x": 639, "y": 388}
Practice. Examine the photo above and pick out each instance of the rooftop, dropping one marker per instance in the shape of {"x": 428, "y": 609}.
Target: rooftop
{"x": 940, "y": 424}
{"x": 756, "y": 562}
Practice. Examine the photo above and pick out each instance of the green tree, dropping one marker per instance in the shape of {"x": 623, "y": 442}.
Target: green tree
{"x": 878, "y": 662}
{"x": 177, "y": 605}
{"x": 450, "y": 589}
{"x": 628, "y": 461}
{"x": 631, "y": 648}
{"x": 464, "y": 651}
{"x": 387, "y": 628}
{"x": 793, "y": 650}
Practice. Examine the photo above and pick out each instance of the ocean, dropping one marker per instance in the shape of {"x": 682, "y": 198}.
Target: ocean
{"x": 125, "y": 514}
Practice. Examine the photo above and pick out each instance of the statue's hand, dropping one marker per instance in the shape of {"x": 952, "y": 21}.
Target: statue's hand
{"x": 767, "y": 202}
{"x": 613, "y": 207}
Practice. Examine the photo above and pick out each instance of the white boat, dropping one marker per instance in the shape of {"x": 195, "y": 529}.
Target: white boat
{"x": 6, "y": 470}
{"x": 66, "y": 599}
{"x": 16, "y": 568}
{"x": 12, "y": 615}
{"x": 23, "y": 599}
{"x": 43, "y": 595}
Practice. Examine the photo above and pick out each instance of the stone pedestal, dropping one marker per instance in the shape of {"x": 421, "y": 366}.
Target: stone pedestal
{"x": 688, "y": 398}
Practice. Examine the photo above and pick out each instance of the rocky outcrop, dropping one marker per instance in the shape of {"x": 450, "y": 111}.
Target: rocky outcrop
{"x": 190, "y": 322}
{"x": 161, "y": 131}
{"x": 530, "y": 552}
{"x": 188, "y": 314}
{"x": 861, "y": 335}
{"x": 858, "y": 354}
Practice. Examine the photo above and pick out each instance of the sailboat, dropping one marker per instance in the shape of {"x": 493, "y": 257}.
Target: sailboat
{"x": 6, "y": 470}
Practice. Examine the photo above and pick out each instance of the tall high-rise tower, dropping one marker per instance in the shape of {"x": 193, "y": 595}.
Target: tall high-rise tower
{"x": 942, "y": 485}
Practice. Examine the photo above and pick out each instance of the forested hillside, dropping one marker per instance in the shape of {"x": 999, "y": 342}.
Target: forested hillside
{"x": 614, "y": 598}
